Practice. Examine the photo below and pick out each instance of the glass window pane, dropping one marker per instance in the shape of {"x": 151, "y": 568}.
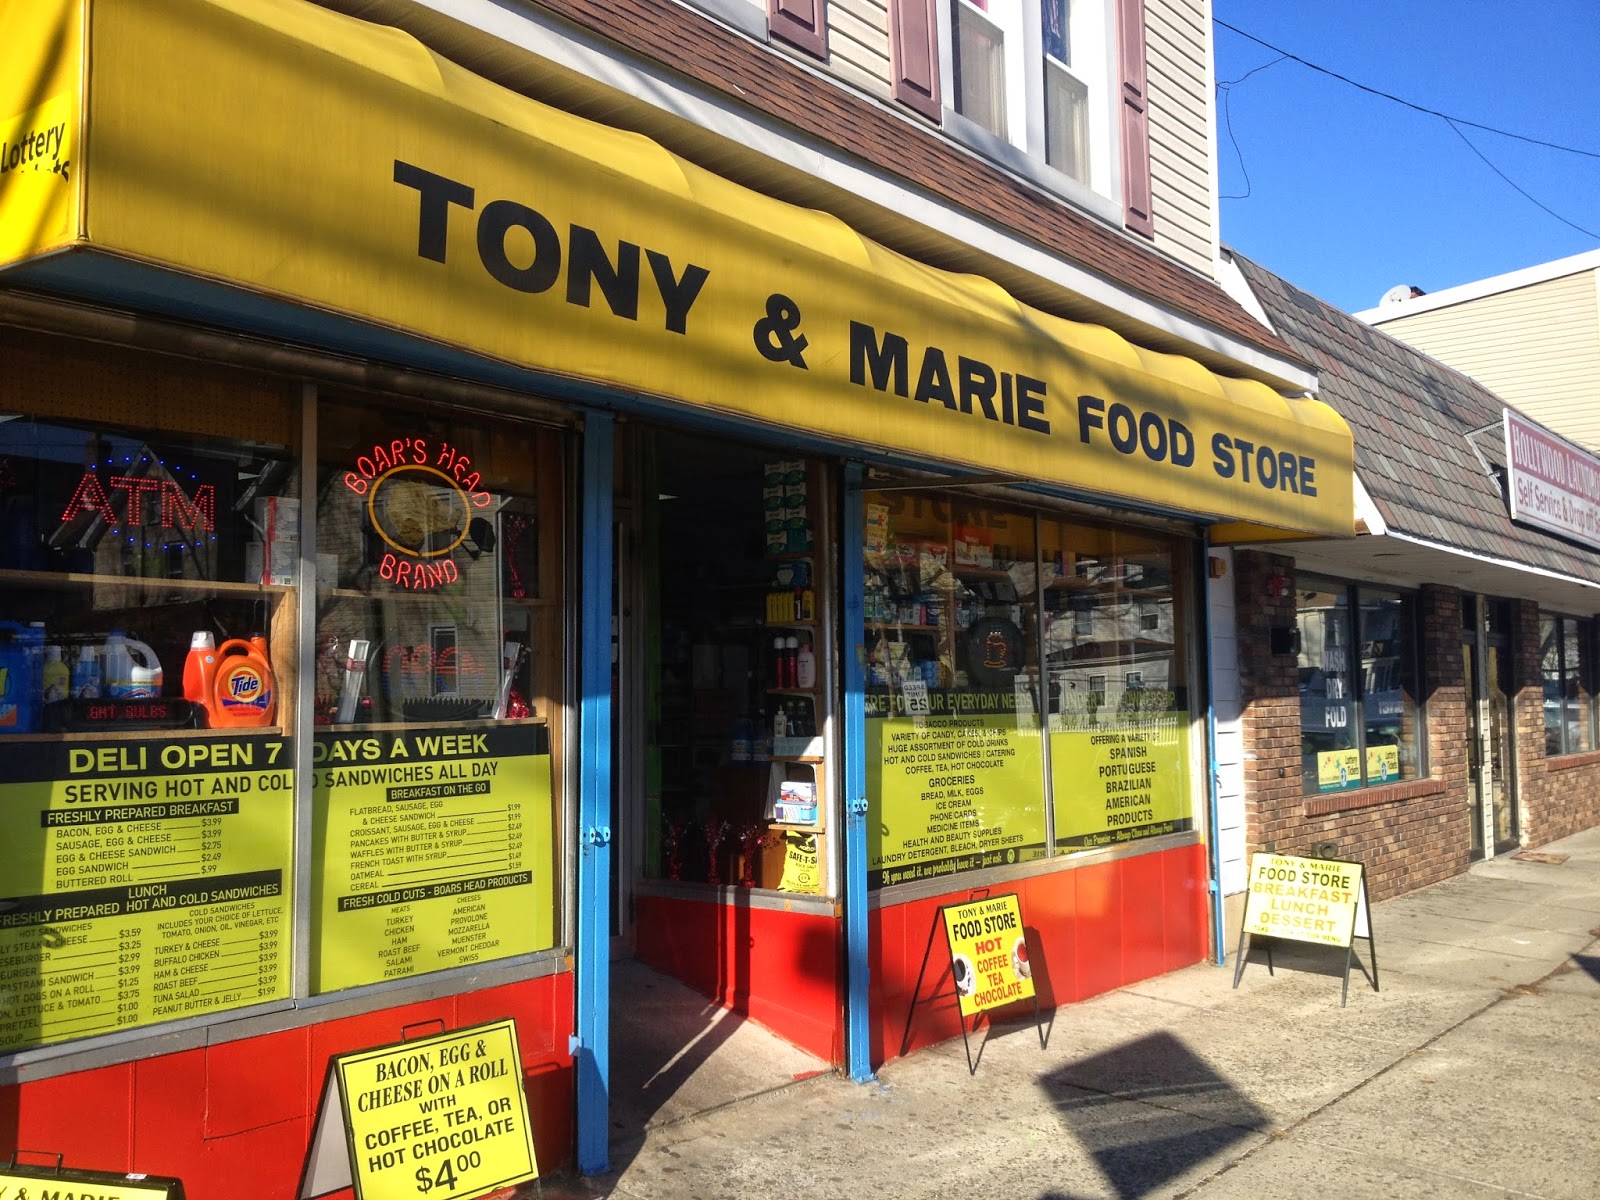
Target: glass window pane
{"x": 1329, "y": 759}
{"x": 1575, "y": 670}
{"x": 1066, "y": 122}
{"x": 1388, "y": 676}
{"x": 1119, "y": 710}
{"x": 955, "y": 771}
{"x": 1053, "y": 29}
{"x": 121, "y": 548}
{"x": 980, "y": 75}
{"x": 436, "y": 682}
{"x": 1550, "y": 667}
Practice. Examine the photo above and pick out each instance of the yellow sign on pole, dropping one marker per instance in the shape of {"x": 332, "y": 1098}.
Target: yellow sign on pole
{"x": 439, "y": 1116}
{"x": 1304, "y": 899}
{"x": 988, "y": 953}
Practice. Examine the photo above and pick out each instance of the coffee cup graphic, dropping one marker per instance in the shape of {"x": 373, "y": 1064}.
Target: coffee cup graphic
{"x": 961, "y": 969}
{"x": 1019, "y": 959}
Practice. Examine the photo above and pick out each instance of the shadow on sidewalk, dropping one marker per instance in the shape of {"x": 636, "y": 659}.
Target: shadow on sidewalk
{"x": 1149, "y": 1111}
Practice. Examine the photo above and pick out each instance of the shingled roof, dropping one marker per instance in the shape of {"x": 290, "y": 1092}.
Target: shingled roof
{"x": 1416, "y": 423}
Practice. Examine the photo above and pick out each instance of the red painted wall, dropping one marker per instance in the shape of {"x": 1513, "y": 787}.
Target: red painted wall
{"x": 234, "y": 1121}
{"x": 1090, "y": 930}
{"x": 779, "y": 968}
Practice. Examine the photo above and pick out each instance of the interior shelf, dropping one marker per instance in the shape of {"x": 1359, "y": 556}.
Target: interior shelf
{"x": 51, "y": 579}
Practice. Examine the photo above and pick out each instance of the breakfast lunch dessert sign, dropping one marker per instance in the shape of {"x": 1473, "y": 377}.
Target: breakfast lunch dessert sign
{"x": 989, "y": 961}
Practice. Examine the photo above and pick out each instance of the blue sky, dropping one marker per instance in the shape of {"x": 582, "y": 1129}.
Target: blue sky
{"x": 1350, "y": 194}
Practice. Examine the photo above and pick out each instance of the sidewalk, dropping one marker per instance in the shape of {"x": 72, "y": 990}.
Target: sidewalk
{"x": 1475, "y": 1072}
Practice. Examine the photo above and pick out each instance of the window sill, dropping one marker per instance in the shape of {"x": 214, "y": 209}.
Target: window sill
{"x": 1565, "y": 762}
{"x": 1389, "y": 793}
{"x": 1002, "y": 153}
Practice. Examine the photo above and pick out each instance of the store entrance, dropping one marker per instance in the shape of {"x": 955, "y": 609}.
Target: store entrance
{"x": 702, "y": 677}
{"x": 1486, "y": 657}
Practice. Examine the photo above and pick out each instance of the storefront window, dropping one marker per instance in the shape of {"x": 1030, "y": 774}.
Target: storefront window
{"x": 1116, "y": 659}
{"x": 954, "y": 761}
{"x": 147, "y": 803}
{"x": 977, "y": 619}
{"x": 1359, "y": 719}
{"x": 437, "y": 688}
{"x": 1567, "y": 659}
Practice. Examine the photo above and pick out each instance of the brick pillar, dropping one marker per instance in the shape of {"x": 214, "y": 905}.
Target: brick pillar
{"x": 1269, "y": 687}
{"x": 1527, "y": 708}
{"x": 1444, "y": 687}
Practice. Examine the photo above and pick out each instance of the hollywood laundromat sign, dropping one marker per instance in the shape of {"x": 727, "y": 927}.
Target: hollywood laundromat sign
{"x": 1553, "y": 484}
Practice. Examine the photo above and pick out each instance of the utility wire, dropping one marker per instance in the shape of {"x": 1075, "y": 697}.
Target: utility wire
{"x": 1421, "y": 108}
{"x": 1514, "y": 184}
{"x": 1226, "y": 88}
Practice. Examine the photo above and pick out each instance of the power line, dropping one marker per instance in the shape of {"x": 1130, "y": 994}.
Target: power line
{"x": 1421, "y": 108}
{"x": 1546, "y": 208}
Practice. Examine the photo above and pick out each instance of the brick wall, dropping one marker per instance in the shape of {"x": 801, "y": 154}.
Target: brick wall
{"x": 1555, "y": 796}
{"x": 1407, "y": 835}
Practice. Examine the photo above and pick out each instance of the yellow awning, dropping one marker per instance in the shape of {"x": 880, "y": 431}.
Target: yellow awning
{"x": 342, "y": 166}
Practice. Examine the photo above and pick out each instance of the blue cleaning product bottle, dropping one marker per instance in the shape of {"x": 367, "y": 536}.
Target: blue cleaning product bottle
{"x": 86, "y": 679}
{"x": 21, "y": 684}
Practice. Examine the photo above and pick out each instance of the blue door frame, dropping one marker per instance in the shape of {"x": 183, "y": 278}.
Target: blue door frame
{"x": 858, "y": 979}
{"x": 592, "y": 1043}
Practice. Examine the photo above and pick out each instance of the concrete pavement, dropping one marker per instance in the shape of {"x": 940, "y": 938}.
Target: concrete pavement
{"x": 1474, "y": 1072}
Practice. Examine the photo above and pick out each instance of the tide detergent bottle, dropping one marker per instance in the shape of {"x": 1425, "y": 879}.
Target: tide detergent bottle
{"x": 243, "y": 692}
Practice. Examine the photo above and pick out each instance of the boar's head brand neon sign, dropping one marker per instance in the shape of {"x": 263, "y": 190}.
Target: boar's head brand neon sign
{"x": 420, "y": 501}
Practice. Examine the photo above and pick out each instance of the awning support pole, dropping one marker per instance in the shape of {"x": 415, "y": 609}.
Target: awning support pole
{"x": 858, "y": 998}
{"x": 592, "y": 1051}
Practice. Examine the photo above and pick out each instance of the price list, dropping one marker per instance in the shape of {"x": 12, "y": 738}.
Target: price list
{"x": 434, "y": 851}
{"x": 160, "y": 872}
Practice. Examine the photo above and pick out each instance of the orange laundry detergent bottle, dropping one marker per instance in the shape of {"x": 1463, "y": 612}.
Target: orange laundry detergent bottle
{"x": 243, "y": 692}
{"x": 200, "y": 671}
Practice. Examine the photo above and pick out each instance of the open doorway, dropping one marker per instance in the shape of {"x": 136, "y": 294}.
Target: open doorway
{"x": 721, "y": 787}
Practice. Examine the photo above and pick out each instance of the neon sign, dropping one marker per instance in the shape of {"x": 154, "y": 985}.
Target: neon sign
{"x": 178, "y": 510}
{"x": 420, "y": 502}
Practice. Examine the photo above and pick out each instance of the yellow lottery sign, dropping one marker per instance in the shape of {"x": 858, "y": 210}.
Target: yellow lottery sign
{"x": 1305, "y": 899}
{"x": 439, "y": 1116}
{"x": 988, "y": 953}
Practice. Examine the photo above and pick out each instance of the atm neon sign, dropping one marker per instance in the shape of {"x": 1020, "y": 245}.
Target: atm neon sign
{"x": 178, "y": 510}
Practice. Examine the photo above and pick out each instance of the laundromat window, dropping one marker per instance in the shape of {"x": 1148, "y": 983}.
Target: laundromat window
{"x": 148, "y": 583}
{"x": 437, "y": 692}
{"x": 955, "y": 768}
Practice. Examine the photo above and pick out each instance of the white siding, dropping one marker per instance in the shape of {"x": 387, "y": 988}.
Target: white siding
{"x": 1537, "y": 347}
{"x": 1178, "y": 50}
{"x": 1230, "y": 731}
{"x": 858, "y": 43}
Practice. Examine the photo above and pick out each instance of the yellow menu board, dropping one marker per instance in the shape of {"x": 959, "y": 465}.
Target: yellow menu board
{"x": 988, "y": 953}
{"x": 443, "y": 1115}
{"x": 953, "y": 791}
{"x": 1126, "y": 779}
{"x": 145, "y": 879}
{"x": 432, "y": 849}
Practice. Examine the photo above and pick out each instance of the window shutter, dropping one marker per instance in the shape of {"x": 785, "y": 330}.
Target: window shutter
{"x": 914, "y": 54}
{"x": 802, "y": 23}
{"x": 1135, "y": 119}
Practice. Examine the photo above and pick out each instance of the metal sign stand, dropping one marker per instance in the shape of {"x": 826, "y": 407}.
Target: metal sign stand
{"x": 955, "y": 992}
{"x": 1361, "y": 928}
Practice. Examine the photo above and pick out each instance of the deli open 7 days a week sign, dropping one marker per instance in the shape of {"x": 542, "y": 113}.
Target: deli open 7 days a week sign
{"x": 442, "y": 1116}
